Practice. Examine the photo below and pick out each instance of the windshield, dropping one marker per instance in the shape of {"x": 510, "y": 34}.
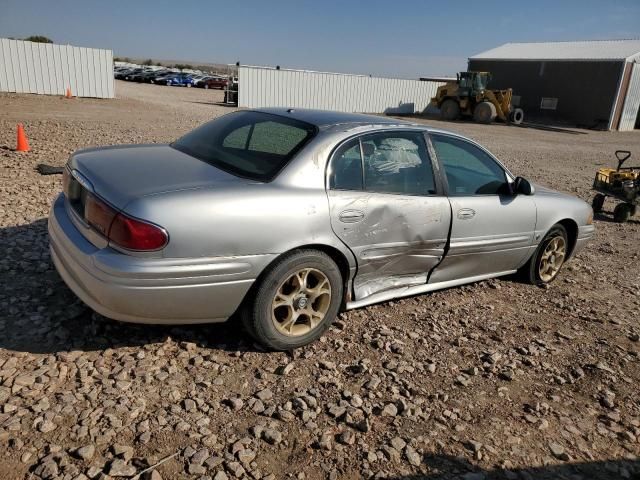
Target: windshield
{"x": 248, "y": 144}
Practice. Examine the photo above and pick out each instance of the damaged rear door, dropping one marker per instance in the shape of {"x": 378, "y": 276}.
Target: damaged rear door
{"x": 387, "y": 206}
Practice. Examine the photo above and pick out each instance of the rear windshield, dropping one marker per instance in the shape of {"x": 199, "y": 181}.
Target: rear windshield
{"x": 253, "y": 145}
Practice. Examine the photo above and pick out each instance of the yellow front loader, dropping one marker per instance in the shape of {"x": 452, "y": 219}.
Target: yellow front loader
{"x": 469, "y": 96}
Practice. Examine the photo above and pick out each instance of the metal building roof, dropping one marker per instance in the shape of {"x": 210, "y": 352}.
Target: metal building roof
{"x": 585, "y": 50}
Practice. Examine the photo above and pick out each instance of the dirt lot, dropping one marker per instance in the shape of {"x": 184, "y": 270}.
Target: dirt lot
{"x": 494, "y": 380}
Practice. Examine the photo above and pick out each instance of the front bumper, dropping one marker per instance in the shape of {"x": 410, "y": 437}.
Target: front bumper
{"x": 585, "y": 233}
{"x": 149, "y": 290}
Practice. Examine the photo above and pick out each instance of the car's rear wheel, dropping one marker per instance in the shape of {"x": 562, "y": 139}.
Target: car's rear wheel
{"x": 295, "y": 302}
{"x": 545, "y": 264}
{"x": 206, "y": 86}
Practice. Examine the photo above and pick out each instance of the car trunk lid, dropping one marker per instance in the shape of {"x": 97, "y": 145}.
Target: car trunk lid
{"x": 120, "y": 174}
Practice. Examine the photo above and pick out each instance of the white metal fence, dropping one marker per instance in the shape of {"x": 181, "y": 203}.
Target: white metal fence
{"x": 46, "y": 68}
{"x": 268, "y": 87}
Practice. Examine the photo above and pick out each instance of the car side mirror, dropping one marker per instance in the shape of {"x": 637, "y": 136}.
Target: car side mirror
{"x": 523, "y": 186}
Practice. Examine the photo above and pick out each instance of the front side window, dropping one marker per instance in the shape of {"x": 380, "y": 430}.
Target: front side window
{"x": 248, "y": 144}
{"x": 397, "y": 163}
{"x": 386, "y": 162}
{"x": 469, "y": 170}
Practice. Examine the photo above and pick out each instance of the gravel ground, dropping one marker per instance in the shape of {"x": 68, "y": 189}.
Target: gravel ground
{"x": 493, "y": 380}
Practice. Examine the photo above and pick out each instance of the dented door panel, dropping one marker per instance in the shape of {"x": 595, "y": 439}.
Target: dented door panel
{"x": 396, "y": 239}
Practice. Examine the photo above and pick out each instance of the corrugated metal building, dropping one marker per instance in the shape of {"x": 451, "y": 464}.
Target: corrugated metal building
{"x": 47, "y": 68}
{"x": 273, "y": 87}
{"x": 595, "y": 84}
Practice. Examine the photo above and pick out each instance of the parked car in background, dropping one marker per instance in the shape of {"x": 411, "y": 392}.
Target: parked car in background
{"x": 158, "y": 75}
{"x": 122, "y": 73}
{"x": 213, "y": 81}
{"x": 162, "y": 79}
{"x": 133, "y": 73}
{"x": 198, "y": 77}
{"x": 147, "y": 76}
{"x": 180, "y": 80}
{"x": 289, "y": 216}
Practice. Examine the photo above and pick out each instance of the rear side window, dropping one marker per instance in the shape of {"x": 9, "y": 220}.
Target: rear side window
{"x": 253, "y": 145}
{"x": 469, "y": 170}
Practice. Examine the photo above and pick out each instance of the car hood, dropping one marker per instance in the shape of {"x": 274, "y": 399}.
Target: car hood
{"x": 122, "y": 173}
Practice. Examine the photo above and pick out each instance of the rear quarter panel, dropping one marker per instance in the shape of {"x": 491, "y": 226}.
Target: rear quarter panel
{"x": 252, "y": 219}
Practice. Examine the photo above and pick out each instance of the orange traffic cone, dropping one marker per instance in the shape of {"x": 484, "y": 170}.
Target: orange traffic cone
{"x": 23, "y": 143}
{"x": 68, "y": 94}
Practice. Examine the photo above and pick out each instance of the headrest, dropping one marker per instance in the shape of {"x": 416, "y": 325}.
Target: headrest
{"x": 368, "y": 149}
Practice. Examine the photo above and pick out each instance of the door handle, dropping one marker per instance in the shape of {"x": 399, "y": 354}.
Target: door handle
{"x": 351, "y": 216}
{"x": 466, "y": 213}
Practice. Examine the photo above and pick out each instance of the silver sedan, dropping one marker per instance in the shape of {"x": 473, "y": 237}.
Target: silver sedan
{"x": 285, "y": 217}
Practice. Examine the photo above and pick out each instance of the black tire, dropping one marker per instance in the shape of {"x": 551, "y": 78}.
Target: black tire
{"x": 256, "y": 313}
{"x": 597, "y": 203}
{"x": 634, "y": 209}
{"x": 622, "y": 212}
{"x": 485, "y": 112}
{"x": 531, "y": 270}
{"x": 517, "y": 116}
{"x": 450, "y": 110}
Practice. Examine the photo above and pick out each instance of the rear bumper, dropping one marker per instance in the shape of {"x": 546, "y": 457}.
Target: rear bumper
{"x": 585, "y": 233}
{"x": 149, "y": 290}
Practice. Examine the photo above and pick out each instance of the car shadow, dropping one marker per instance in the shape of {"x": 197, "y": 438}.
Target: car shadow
{"x": 40, "y": 314}
{"x": 447, "y": 467}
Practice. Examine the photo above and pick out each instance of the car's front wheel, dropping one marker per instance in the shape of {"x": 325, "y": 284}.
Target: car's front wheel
{"x": 295, "y": 302}
{"x": 546, "y": 262}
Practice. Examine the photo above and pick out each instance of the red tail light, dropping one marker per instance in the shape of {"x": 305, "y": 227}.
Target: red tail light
{"x": 123, "y": 231}
{"x": 134, "y": 234}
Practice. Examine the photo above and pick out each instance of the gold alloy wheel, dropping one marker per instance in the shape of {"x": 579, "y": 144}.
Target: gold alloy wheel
{"x": 552, "y": 259}
{"x": 301, "y": 302}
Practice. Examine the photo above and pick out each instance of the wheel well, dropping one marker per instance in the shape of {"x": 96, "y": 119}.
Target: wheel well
{"x": 335, "y": 254}
{"x": 572, "y": 233}
{"x": 338, "y": 257}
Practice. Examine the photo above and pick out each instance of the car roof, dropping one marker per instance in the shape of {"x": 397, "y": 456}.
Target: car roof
{"x": 338, "y": 121}
{"x": 328, "y": 118}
